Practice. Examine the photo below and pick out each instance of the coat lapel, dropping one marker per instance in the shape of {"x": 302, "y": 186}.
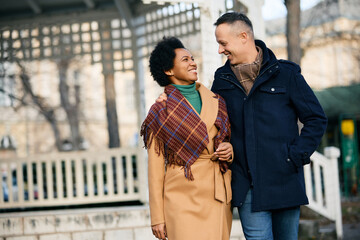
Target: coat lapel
{"x": 209, "y": 107}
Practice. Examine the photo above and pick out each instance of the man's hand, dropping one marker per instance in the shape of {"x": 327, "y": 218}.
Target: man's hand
{"x": 159, "y": 231}
{"x": 224, "y": 151}
{"x": 162, "y": 98}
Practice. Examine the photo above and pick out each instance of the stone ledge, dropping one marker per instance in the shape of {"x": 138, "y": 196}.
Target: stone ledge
{"x": 11, "y": 226}
{"x": 22, "y": 238}
{"x": 131, "y": 223}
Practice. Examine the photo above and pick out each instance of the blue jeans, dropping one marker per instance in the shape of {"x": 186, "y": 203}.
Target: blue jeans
{"x": 279, "y": 224}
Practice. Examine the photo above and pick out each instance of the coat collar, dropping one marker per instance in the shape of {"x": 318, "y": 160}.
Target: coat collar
{"x": 269, "y": 58}
{"x": 269, "y": 67}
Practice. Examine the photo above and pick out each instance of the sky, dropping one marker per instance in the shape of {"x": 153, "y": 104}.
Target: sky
{"x": 276, "y": 8}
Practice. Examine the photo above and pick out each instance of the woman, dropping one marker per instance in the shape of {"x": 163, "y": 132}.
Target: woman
{"x": 189, "y": 182}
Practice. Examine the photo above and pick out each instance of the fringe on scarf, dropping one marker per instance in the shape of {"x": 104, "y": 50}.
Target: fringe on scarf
{"x": 224, "y": 132}
{"x": 171, "y": 158}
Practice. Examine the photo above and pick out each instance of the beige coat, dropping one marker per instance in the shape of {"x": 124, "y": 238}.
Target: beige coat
{"x": 192, "y": 210}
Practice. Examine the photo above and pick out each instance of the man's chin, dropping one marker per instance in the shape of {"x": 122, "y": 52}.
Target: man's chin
{"x": 233, "y": 62}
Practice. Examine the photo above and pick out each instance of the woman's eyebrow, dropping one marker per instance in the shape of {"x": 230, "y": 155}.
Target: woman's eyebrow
{"x": 186, "y": 56}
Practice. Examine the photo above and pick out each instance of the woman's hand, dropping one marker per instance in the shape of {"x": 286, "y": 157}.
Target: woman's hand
{"x": 224, "y": 151}
{"x": 159, "y": 231}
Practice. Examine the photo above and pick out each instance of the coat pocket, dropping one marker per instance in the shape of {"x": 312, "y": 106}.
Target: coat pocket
{"x": 289, "y": 161}
{"x": 273, "y": 89}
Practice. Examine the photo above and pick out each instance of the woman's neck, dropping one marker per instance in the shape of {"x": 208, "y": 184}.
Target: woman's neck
{"x": 186, "y": 89}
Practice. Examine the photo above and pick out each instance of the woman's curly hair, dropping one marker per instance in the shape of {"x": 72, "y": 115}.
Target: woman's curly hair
{"x": 162, "y": 59}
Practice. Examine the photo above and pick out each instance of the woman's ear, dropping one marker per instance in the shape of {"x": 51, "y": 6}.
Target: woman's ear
{"x": 169, "y": 73}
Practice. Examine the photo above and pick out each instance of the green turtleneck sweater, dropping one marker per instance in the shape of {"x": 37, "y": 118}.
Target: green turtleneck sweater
{"x": 190, "y": 93}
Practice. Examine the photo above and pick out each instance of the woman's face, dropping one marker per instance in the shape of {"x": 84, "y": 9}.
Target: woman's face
{"x": 184, "y": 70}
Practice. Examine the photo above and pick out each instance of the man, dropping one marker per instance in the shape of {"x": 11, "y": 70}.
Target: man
{"x": 265, "y": 97}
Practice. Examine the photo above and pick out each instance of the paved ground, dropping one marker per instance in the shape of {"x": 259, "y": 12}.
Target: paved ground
{"x": 351, "y": 219}
{"x": 326, "y": 228}
{"x": 351, "y": 231}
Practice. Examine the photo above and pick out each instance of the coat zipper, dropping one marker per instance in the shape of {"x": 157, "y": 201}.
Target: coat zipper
{"x": 266, "y": 70}
{"x": 226, "y": 79}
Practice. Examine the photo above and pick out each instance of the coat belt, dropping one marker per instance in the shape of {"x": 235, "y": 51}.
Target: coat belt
{"x": 222, "y": 184}
{"x": 222, "y": 180}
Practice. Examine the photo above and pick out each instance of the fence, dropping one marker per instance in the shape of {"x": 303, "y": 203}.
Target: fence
{"x": 322, "y": 186}
{"x": 116, "y": 175}
{"x": 111, "y": 175}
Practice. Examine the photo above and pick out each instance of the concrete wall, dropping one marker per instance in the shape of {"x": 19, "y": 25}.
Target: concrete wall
{"x": 118, "y": 223}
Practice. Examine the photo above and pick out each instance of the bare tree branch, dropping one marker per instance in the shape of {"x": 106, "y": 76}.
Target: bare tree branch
{"x": 47, "y": 111}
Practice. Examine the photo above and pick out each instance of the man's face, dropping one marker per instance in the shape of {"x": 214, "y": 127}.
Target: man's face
{"x": 231, "y": 43}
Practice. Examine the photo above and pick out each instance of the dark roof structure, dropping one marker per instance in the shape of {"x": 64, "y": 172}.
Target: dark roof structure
{"x": 340, "y": 100}
{"x": 30, "y": 10}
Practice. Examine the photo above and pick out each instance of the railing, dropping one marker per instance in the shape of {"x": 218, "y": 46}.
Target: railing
{"x": 322, "y": 186}
{"x": 116, "y": 175}
{"x": 112, "y": 175}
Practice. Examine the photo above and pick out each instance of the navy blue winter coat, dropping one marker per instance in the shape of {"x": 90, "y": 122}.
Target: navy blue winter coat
{"x": 269, "y": 153}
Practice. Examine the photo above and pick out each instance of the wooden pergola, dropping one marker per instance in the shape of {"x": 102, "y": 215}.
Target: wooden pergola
{"x": 119, "y": 34}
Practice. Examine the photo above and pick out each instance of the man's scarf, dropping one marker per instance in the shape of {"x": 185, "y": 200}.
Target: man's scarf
{"x": 180, "y": 135}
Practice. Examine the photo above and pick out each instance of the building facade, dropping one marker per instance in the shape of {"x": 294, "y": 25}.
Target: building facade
{"x": 330, "y": 43}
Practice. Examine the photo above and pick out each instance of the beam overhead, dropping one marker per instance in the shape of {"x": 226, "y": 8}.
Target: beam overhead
{"x": 89, "y": 3}
{"x": 125, "y": 11}
{"x": 34, "y": 6}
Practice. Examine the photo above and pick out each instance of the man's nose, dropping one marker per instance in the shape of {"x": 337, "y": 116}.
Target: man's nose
{"x": 221, "y": 49}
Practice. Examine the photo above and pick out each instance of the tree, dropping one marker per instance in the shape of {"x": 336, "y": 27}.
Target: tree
{"x": 63, "y": 47}
{"x": 27, "y": 97}
{"x": 293, "y": 30}
{"x": 109, "y": 83}
{"x": 71, "y": 109}
{"x": 40, "y": 103}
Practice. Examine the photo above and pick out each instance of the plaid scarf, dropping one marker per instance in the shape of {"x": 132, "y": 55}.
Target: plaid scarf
{"x": 247, "y": 73}
{"x": 180, "y": 135}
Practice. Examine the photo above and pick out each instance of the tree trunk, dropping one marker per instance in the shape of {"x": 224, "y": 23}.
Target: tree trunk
{"x": 111, "y": 112}
{"x": 72, "y": 110}
{"x": 293, "y": 30}
{"x": 110, "y": 94}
